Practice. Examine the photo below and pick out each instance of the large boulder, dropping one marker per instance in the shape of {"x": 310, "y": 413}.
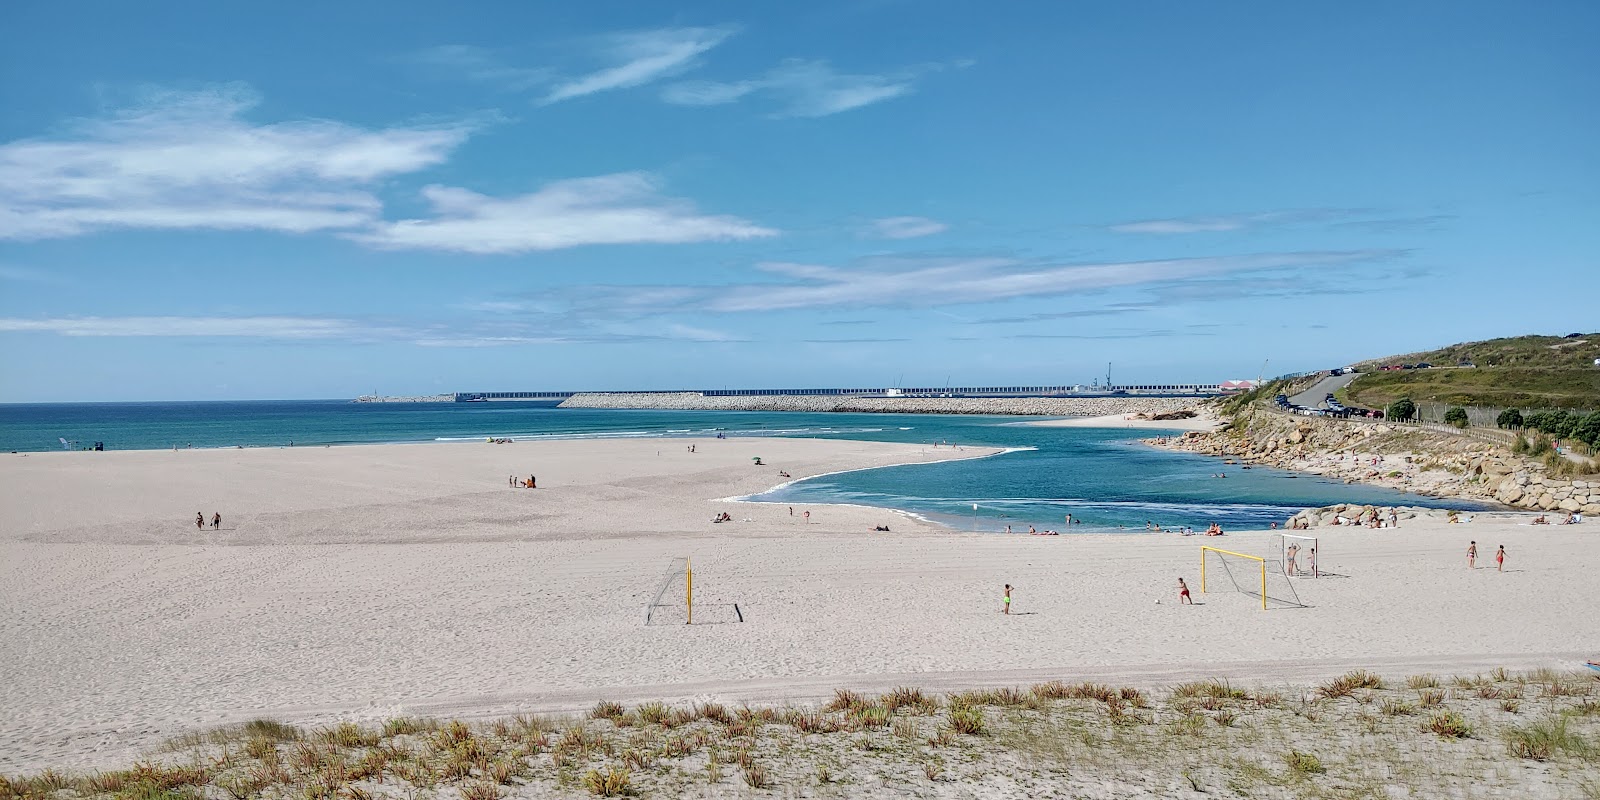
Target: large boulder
{"x": 1569, "y": 504}
{"x": 1509, "y": 492}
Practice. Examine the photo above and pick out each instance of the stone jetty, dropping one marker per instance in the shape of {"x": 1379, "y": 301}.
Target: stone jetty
{"x": 1020, "y": 406}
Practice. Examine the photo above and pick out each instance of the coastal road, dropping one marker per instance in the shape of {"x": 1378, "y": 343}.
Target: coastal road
{"x": 1313, "y": 397}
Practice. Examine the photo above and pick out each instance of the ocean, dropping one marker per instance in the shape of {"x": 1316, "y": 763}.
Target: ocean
{"x": 1106, "y": 478}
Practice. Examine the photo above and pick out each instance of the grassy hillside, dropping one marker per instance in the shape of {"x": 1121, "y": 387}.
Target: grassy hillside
{"x": 1538, "y": 352}
{"x": 1524, "y": 372}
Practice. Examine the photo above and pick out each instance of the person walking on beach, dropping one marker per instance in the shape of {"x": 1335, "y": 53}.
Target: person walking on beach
{"x": 1500, "y": 559}
{"x": 1294, "y": 552}
{"x": 1005, "y": 604}
{"x": 1183, "y": 593}
{"x": 807, "y": 516}
{"x": 1472, "y": 555}
{"x": 216, "y": 521}
{"x": 199, "y": 521}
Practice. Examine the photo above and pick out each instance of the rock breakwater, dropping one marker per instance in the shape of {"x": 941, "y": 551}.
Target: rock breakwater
{"x": 1020, "y": 406}
{"x": 1399, "y": 457}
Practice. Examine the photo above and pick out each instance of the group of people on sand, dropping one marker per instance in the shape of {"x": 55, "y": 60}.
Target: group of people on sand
{"x": 1573, "y": 518}
{"x": 1499, "y": 557}
{"x": 1215, "y": 529}
{"x": 518, "y": 483}
{"x": 200, "y": 521}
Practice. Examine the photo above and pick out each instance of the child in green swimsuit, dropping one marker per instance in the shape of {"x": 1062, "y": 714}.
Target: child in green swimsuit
{"x": 1006, "y": 608}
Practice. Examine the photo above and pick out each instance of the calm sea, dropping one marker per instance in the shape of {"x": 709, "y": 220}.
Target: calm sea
{"x": 1103, "y": 477}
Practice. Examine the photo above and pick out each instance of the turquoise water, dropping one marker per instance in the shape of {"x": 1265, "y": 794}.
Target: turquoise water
{"x": 1103, "y": 477}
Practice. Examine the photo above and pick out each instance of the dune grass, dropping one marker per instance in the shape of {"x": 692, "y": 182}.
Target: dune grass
{"x": 1353, "y": 736}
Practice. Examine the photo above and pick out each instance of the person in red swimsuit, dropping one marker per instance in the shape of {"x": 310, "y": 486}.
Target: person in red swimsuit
{"x": 1183, "y": 593}
{"x": 1500, "y": 559}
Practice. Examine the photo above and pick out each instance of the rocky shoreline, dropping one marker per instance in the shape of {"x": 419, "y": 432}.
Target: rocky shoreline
{"x": 1399, "y": 457}
{"x": 1018, "y": 406}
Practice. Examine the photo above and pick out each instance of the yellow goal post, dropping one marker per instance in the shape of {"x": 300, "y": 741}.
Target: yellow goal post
{"x": 1258, "y": 559}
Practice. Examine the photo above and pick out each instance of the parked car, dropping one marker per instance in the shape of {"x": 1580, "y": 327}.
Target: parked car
{"x": 1424, "y": 365}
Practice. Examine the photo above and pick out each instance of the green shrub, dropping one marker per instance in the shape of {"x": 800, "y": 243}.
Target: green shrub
{"x": 1303, "y": 764}
{"x": 1402, "y": 409}
{"x": 1450, "y": 725}
{"x": 1456, "y": 416}
{"x": 1588, "y": 430}
{"x": 1509, "y": 418}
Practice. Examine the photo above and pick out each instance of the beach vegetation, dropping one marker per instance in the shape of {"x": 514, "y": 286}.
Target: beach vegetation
{"x": 967, "y": 720}
{"x": 1509, "y": 418}
{"x": 1069, "y": 745}
{"x": 1542, "y": 740}
{"x": 608, "y": 782}
{"x": 1346, "y": 685}
{"x": 1302, "y": 764}
{"x": 1450, "y": 725}
{"x": 756, "y": 776}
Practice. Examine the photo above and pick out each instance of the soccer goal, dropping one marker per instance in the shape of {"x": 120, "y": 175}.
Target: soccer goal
{"x": 1300, "y": 555}
{"x": 677, "y": 583}
{"x": 1245, "y": 574}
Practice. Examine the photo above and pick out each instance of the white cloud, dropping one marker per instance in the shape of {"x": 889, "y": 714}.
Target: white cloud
{"x": 641, "y": 57}
{"x": 929, "y": 283}
{"x": 1222, "y": 223}
{"x": 624, "y": 208}
{"x": 906, "y": 227}
{"x": 182, "y": 160}
{"x": 266, "y": 327}
{"x": 803, "y": 89}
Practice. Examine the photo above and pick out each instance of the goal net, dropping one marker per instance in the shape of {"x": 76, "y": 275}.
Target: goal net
{"x": 673, "y": 601}
{"x": 1299, "y": 555}
{"x": 1225, "y": 570}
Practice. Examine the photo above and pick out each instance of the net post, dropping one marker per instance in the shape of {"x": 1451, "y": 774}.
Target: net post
{"x": 1202, "y": 569}
{"x": 688, "y": 589}
{"x": 1263, "y": 586}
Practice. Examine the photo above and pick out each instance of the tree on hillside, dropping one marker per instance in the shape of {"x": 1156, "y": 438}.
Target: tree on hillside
{"x": 1588, "y": 430}
{"x": 1456, "y": 416}
{"x": 1565, "y": 424}
{"x": 1509, "y": 418}
{"x": 1539, "y": 421}
{"x": 1402, "y": 409}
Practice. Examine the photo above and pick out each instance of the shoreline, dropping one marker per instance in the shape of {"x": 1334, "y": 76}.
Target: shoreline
{"x": 1203, "y": 422}
{"x": 1419, "y": 461}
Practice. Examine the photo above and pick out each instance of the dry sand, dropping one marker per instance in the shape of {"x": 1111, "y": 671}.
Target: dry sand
{"x": 365, "y": 582}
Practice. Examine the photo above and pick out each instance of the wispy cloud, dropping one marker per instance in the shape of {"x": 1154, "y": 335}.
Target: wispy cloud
{"x": 934, "y": 282}
{"x": 1222, "y": 223}
{"x": 267, "y": 327}
{"x": 803, "y": 88}
{"x": 185, "y": 160}
{"x": 481, "y": 65}
{"x": 905, "y": 227}
{"x": 452, "y": 333}
{"x": 625, "y": 208}
{"x": 640, "y": 57}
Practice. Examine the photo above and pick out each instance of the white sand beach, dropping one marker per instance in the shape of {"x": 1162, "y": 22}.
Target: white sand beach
{"x": 358, "y": 583}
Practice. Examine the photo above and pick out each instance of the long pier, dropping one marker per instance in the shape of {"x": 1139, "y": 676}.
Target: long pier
{"x": 1197, "y": 390}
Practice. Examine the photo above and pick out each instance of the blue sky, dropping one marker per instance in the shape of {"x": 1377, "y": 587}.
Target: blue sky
{"x": 260, "y": 200}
